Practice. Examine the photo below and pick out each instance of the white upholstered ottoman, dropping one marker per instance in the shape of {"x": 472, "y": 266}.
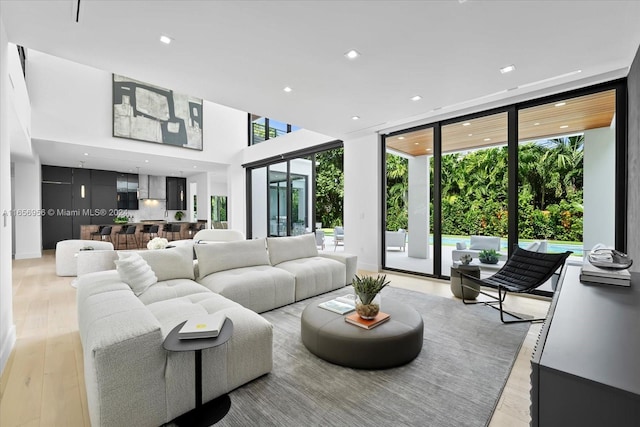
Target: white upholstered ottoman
{"x": 66, "y": 254}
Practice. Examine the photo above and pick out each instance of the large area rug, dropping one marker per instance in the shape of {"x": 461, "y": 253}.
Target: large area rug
{"x": 455, "y": 381}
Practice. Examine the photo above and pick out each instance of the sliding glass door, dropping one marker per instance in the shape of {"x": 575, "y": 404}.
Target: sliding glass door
{"x": 541, "y": 174}
{"x": 297, "y": 195}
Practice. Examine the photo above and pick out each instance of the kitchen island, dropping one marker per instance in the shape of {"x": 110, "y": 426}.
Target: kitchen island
{"x": 187, "y": 231}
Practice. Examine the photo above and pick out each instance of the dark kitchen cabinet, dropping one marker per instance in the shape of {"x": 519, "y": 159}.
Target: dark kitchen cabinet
{"x": 104, "y": 199}
{"x": 57, "y": 205}
{"x": 176, "y": 193}
{"x": 127, "y": 188}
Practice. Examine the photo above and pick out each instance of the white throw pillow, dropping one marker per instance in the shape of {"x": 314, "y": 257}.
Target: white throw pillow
{"x": 461, "y": 246}
{"x": 135, "y": 272}
{"x": 283, "y": 249}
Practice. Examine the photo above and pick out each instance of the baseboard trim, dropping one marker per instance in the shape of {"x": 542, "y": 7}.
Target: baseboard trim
{"x": 28, "y": 255}
{"x": 7, "y": 347}
{"x": 368, "y": 267}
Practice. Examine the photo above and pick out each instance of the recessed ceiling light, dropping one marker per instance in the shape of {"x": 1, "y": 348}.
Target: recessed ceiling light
{"x": 195, "y": 167}
{"x": 564, "y": 126}
{"x": 146, "y": 161}
{"x": 165, "y": 39}
{"x": 86, "y": 154}
{"x": 352, "y": 54}
{"x": 487, "y": 139}
{"x": 416, "y": 98}
{"x": 466, "y": 124}
{"x": 507, "y": 69}
{"x": 560, "y": 104}
{"x": 355, "y": 118}
{"x": 401, "y": 137}
{"x": 287, "y": 89}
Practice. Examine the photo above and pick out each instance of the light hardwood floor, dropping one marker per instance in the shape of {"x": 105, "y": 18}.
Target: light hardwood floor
{"x": 43, "y": 382}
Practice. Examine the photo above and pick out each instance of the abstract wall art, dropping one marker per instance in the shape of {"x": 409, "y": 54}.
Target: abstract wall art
{"x": 150, "y": 113}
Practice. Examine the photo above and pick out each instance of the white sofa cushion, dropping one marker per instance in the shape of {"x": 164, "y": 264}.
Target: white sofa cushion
{"x": 247, "y": 354}
{"x": 169, "y": 289}
{"x": 283, "y": 249}
{"x": 230, "y": 255}
{"x": 258, "y": 288}
{"x": 219, "y": 235}
{"x": 135, "y": 272}
{"x": 171, "y": 263}
{"x": 484, "y": 242}
{"x": 66, "y": 251}
{"x": 315, "y": 275}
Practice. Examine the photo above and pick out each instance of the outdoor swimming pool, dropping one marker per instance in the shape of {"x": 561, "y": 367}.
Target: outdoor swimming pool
{"x": 552, "y": 246}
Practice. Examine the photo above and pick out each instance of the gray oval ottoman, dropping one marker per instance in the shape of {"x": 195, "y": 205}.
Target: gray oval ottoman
{"x": 396, "y": 342}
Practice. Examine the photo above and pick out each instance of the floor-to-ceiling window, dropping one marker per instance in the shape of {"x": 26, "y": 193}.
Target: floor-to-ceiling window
{"x": 566, "y": 174}
{"x": 474, "y": 185}
{"x": 409, "y": 207}
{"x": 543, "y": 171}
{"x": 296, "y": 195}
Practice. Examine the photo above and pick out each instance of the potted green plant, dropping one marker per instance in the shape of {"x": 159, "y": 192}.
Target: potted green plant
{"x": 489, "y": 256}
{"x": 367, "y": 289}
{"x": 178, "y": 216}
{"x": 121, "y": 220}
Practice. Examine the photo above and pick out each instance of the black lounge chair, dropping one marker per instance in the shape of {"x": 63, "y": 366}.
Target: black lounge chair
{"x": 523, "y": 272}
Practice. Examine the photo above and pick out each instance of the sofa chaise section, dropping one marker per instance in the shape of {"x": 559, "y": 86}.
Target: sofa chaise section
{"x": 130, "y": 378}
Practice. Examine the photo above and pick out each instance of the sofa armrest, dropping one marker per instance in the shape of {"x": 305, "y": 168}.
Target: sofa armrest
{"x": 98, "y": 260}
{"x": 350, "y": 261}
{"x": 121, "y": 340}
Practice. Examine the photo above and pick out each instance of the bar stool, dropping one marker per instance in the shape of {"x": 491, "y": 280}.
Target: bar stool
{"x": 175, "y": 228}
{"x": 126, "y": 232}
{"x": 97, "y": 233}
{"x": 150, "y": 231}
{"x": 105, "y": 233}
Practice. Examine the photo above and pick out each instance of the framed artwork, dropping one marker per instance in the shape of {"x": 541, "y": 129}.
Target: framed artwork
{"x": 150, "y": 113}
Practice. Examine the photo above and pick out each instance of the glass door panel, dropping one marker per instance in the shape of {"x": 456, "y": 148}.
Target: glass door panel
{"x": 566, "y": 175}
{"x": 409, "y": 225}
{"x": 474, "y": 188}
{"x": 278, "y": 201}
{"x": 259, "y": 218}
{"x": 301, "y": 180}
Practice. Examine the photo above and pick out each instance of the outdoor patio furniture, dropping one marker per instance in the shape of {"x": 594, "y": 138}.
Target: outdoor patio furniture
{"x": 338, "y": 237}
{"x": 396, "y": 239}
{"x": 523, "y": 272}
{"x": 320, "y": 238}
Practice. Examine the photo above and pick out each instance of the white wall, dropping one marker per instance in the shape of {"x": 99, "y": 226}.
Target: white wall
{"x": 362, "y": 220}
{"x": 7, "y": 327}
{"x": 599, "y": 187}
{"x": 27, "y": 199}
{"x": 77, "y": 110}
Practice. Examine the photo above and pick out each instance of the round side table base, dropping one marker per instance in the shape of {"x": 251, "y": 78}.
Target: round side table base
{"x": 205, "y": 415}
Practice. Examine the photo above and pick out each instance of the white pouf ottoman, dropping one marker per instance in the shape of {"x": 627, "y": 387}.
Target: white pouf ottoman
{"x": 66, "y": 253}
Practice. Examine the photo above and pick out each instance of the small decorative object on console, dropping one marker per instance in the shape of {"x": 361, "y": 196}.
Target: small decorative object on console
{"x": 157, "y": 243}
{"x": 367, "y": 290}
{"x": 465, "y": 259}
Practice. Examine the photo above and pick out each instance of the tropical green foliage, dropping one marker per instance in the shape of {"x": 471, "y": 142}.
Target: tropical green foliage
{"x": 475, "y": 185}
{"x": 329, "y": 187}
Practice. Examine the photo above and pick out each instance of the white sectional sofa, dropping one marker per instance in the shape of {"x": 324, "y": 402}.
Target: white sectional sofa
{"x": 131, "y": 379}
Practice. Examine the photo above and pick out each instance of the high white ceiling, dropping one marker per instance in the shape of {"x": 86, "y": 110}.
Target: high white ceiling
{"x": 243, "y": 53}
